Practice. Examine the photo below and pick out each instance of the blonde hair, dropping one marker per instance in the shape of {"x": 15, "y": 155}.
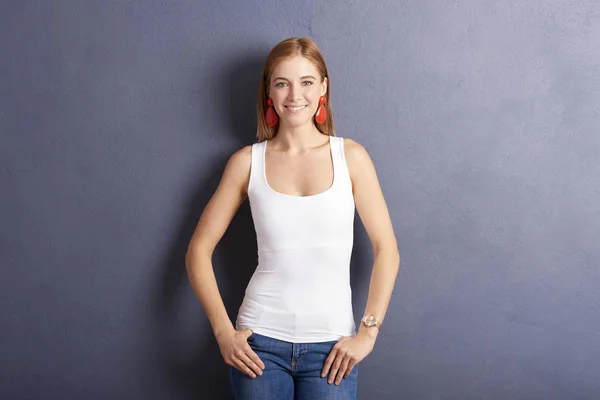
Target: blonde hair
{"x": 289, "y": 48}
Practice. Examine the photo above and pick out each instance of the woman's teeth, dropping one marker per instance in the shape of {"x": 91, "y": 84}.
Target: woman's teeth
{"x": 295, "y": 108}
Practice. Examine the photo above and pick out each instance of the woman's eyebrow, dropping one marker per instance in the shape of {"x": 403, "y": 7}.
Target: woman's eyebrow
{"x": 302, "y": 77}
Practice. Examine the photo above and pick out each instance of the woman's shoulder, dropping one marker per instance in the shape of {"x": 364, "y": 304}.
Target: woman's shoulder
{"x": 357, "y": 157}
{"x": 239, "y": 163}
{"x": 242, "y": 153}
{"x": 354, "y": 150}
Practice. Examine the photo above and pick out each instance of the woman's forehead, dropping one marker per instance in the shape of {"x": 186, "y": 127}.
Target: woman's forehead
{"x": 294, "y": 67}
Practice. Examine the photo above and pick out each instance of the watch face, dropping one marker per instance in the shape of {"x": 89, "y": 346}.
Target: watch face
{"x": 370, "y": 320}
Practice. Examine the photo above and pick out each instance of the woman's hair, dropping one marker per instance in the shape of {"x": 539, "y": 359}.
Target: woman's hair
{"x": 291, "y": 47}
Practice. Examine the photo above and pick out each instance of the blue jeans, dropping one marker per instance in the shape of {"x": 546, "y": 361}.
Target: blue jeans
{"x": 292, "y": 372}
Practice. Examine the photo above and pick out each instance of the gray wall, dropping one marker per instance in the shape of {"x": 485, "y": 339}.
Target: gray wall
{"x": 482, "y": 118}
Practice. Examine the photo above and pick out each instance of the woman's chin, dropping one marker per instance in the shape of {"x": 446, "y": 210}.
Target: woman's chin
{"x": 295, "y": 122}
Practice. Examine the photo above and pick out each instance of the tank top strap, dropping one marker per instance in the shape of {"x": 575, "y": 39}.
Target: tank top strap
{"x": 339, "y": 159}
{"x": 256, "y": 181}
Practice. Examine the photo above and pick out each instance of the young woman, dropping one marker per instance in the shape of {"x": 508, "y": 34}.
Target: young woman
{"x": 295, "y": 336}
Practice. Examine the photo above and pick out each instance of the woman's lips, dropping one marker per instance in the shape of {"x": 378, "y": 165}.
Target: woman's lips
{"x": 295, "y": 109}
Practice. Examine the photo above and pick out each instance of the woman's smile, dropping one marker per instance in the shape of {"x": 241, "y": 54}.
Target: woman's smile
{"x": 295, "y": 110}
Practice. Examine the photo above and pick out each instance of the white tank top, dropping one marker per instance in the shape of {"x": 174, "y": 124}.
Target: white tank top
{"x": 300, "y": 291}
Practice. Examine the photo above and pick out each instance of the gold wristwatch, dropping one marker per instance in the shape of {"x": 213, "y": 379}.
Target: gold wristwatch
{"x": 371, "y": 321}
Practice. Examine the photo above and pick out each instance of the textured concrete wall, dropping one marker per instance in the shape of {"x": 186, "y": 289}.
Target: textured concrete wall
{"x": 482, "y": 118}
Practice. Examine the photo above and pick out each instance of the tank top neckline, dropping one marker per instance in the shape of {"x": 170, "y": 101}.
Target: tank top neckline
{"x": 326, "y": 191}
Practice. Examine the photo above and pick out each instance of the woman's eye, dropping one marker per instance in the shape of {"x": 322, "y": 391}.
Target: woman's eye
{"x": 283, "y": 83}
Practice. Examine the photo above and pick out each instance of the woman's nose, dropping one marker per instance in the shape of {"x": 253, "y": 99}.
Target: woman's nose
{"x": 294, "y": 91}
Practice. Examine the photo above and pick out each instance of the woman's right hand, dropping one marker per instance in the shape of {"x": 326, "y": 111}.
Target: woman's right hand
{"x": 237, "y": 352}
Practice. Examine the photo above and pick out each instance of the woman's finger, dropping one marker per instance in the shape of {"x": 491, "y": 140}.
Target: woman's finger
{"x": 351, "y": 365}
{"x": 251, "y": 364}
{"x": 329, "y": 361}
{"x": 335, "y": 367}
{"x": 342, "y": 370}
{"x": 243, "y": 368}
{"x": 254, "y": 357}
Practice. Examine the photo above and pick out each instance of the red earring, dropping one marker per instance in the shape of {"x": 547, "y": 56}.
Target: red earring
{"x": 271, "y": 116}
{"x": 321, "y": 114}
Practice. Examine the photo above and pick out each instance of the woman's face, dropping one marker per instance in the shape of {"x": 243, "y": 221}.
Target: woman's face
{"x": 295, "y": 89}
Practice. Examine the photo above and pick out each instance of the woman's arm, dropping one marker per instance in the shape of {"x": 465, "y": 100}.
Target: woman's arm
{"x": 213, "y": 223}
{"x": 373, "y": 212}
{"x": 374, "y": 215}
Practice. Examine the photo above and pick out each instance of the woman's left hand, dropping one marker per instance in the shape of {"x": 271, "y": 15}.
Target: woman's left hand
{"x": 345, "y": 354}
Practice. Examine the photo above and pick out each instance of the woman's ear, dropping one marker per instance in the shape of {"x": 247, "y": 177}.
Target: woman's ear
{"x": 324, "y": 86}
